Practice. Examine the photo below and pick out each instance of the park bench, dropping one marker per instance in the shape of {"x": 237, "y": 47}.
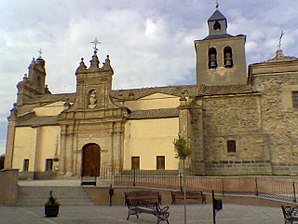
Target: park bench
{"x": 195, "y": 195}
{"x": 146, "y": 202}
{"x": 290, "y": 214}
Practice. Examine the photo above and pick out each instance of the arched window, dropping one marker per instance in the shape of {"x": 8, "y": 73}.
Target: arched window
{"x": 212, "y": 58}
{"x": 228, "y": 57}
{"x": 216, "y": 26}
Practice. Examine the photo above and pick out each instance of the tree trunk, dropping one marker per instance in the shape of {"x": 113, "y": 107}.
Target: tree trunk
{"x": 184, "y": 190}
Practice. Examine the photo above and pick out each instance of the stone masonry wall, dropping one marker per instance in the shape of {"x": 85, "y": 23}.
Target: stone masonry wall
{"x": 238, "y": 118}
{"x": 280, "y": 120}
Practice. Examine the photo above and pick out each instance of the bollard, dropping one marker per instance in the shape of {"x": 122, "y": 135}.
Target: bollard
{"x": 294, "y": 192}
{"x": 216, "y": 205}
{"x": 111, "y": 193}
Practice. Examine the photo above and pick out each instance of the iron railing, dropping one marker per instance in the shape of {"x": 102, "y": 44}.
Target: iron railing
{"x": 281, "y": 188}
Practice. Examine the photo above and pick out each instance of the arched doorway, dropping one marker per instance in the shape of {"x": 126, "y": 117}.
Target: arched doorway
{"x": 91, "y": 160}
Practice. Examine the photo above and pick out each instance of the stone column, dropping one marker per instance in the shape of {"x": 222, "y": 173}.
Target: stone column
{"x": 37, "y": 150}
{"x": 118, "y": 152}
{"x": 62, "y": 149}
{"x": 10, "y": 138}
{"x": 184, "y": 128}
{"x": 116, "y": 135}
{"x": 76, "y": 154}
{"x": 69, "y": 151}
{"x": 197, "y": 139}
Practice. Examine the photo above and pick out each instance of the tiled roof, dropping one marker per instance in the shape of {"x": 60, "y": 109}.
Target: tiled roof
{"x": 133, "y": 94}
{"x": 191, "y": 90}
{"x": 218, "y": 36}
{"x": 32, "y": 120}
{"x": 156, "y": 113}
{"x": 217, "y": 15}
{"x": 51, "y": 98}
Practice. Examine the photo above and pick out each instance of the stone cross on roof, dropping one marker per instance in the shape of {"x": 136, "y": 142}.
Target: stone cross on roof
{"x": 40, "y": 53}
{"x": 95, "y": 42}
{"x": 279, "y": 41}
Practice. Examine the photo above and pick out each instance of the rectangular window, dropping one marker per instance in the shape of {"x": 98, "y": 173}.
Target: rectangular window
{"x": 135, "y": 163}
{"x": 49, "y": 164}
{"x": 231, "y": 146}
{"x": 295, "y": 99}
{"x": 160, "y": 162}
{"x": 26, "y": 165}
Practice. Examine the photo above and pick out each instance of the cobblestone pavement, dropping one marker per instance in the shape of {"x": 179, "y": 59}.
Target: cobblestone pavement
{"x": 196, "y": 214}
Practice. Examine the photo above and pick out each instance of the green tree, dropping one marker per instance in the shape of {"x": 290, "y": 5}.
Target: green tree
{"x": 182, "y": 152}
{"x": 181, "y": 149}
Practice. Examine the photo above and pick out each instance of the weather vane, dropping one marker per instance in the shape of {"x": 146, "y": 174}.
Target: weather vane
{"x": 95, "y": 42}
{"x": 40, "y": 53}
{"x": 279, "y": 41}
{"x": 216, "y": 4}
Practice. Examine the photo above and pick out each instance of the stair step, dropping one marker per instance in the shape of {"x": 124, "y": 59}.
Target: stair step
{"x": 38, "y": 196}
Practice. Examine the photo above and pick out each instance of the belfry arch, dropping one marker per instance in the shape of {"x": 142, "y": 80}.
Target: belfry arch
{"x": 90, "y": 160}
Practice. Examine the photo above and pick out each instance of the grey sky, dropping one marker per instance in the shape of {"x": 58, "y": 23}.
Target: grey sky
{"x": 150, "y": 42}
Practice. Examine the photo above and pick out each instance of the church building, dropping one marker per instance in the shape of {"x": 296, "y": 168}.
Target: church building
{"x": 237, "y": 120}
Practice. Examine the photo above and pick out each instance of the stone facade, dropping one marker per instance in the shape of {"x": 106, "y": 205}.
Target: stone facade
{"x": 236, "y": 123}
{"x": 276, "y": 80}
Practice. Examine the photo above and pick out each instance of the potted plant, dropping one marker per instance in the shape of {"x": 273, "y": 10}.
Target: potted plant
{"x": 52, "y": 206}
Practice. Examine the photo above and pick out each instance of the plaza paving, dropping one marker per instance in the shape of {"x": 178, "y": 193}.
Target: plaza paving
{"x": 196, "y": 213}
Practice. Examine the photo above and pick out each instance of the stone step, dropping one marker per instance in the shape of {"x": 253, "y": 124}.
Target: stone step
{"x": 40, "y": 204}
{"x": 38, "y": 196}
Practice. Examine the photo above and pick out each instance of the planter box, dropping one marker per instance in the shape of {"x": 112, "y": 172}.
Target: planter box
{"x": 51, "y": 210}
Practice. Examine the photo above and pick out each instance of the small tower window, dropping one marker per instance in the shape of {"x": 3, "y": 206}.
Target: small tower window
{"x": 295, "y": 99}
{"x": 216, "y": 26}
{"x": 26, "y": 165}
{"x": 228, "y": 57}
{"x": 231, "y": 146}
{"x": 212, "y": 58}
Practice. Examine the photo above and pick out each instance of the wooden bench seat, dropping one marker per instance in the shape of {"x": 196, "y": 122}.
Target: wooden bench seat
{"x": 195, "y": 195}
{"x": 146, "y": 202}
{"x": 290, "y": 214}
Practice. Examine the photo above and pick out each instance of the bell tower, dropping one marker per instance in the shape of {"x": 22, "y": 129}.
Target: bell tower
{"x": 220, "y": 57}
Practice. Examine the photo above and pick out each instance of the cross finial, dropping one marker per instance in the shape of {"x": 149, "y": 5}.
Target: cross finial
{"x": 279, "y": 41}
{"x": 95, "y": 42}
{"x": 216, "y": 4}
{"x": 40, "y": 53}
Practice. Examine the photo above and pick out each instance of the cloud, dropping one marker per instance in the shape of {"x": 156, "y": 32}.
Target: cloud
{"x": 150, "y": 42}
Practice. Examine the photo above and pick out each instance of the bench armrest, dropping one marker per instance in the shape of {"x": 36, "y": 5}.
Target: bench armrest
{"x": 164, "y": 209}
{"x": 294, "y": 212}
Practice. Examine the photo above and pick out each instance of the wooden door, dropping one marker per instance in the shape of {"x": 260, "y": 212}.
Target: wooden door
{"x": 91, "y": 160}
